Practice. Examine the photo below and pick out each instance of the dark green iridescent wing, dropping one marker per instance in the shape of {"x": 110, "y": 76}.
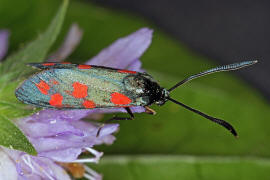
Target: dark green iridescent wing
{"x": 72, "y": 86}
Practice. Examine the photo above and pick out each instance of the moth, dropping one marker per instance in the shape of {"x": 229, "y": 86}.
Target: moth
{"x": 73, "y": 86}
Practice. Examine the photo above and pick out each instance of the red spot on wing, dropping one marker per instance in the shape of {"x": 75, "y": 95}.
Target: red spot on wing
{"x": 56, "y": 100}
{"x": 43, "y": 87}
{"x": 120, "y": 99}
{"x": 48, "y": 64}
{"x": 83, "y": 66}
{"x": 127, "y": 71}
{"x": 55, "y": 82}
{"x": 89, "y": 104}
{"x": 80, "y": 90}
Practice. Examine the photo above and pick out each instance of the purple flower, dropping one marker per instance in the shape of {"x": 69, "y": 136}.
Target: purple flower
{"x": 70, "y": 43}
{"x": 61, "y": 136}
{"x": 21, "y": 166}
{"x": 4, "y": 34}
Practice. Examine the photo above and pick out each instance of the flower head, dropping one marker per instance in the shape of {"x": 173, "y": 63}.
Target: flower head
{"x": 61, "y": 136}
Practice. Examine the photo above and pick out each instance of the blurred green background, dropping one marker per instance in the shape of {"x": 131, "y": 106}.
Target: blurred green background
{"x": 175, "y": 143}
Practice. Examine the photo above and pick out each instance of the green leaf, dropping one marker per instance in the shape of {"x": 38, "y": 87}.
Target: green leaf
{"x": 11, "y": 137}
{"x": 14, "y": 66}
{"x": 182, "y": 167}
{"x": 36, "y": 50}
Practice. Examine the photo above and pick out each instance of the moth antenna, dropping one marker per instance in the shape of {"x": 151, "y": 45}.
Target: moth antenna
{"x": 216, "y": 120}
{"x": 229, "y": 67}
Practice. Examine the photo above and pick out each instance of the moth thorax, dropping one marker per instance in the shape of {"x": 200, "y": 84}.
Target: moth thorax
{"x": 135, "y": 84}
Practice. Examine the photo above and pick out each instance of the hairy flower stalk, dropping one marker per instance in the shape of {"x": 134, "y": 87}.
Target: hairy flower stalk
{"x": 61, "y": 136}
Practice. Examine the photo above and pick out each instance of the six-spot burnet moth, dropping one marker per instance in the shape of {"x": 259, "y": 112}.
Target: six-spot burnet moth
{"x": 72, "y": 86}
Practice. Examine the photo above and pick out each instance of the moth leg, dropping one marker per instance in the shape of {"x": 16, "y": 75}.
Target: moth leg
{"x": 123, "y": 118}
{"x": 117, "y": 119}
{"x": 148, "y": 110}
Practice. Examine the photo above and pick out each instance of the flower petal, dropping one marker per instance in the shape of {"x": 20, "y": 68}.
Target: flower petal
{"x": 124, "y": 51}
{"x": 105, "y": 134}
{"x": 4, "y": 34}
{"x": 7, "y": 167}
{"x": 63, "y": 155}
{"x": 50, "y": 116}
{"x": 40, "y": 168}
{"x": 64, "y": 139}
{"x": 71, "y": 41}
{"x": 135, "y": 66}
{"x": 33, "y": 167}
{"x": 54, "y": 128}
{"x": 137, "y": 109}
{"x": 108, "y": 129}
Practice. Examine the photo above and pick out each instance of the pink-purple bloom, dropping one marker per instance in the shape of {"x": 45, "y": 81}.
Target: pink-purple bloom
{"x": 4, "y": 34}
{"x": 73, "y": 38}
{"x": 61, "y": 136}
